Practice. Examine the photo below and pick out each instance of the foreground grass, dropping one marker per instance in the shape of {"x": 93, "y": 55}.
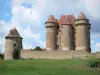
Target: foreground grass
{"x": 46, "y": 67}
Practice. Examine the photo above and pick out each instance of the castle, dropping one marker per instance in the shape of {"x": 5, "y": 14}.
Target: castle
{"x": 68, "y": 33}
{"x": 65, "y": 34}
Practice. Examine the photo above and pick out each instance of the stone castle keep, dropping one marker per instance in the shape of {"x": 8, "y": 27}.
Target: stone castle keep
{"x": 65, "y": 38}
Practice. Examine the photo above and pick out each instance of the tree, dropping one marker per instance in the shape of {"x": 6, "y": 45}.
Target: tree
{"x": 1, "y": 56}
{"x": 38, "y": 48}
{"x": 16, "y": 53}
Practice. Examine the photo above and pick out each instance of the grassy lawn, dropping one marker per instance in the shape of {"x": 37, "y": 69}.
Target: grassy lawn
{"x": 47, "y": 67}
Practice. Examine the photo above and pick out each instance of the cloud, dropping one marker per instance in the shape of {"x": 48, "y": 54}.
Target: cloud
{"x": 2, "y": 45}
{"x": 23, "y": 17}
{"x": 92, "y": 42}
{"x": 27, "y": 21}
{"x": 4, "y": 28}
{"x": 92, "y": 7}
{"x": 29, "y": 17}
{"x": 31, "y": 39}
{"x": 27, "y": 46}
{"x": 95, "y": 29}
{"x": 97, "y": 45}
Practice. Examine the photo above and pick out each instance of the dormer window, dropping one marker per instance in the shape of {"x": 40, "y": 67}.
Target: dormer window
{"x": 11, "y": 31}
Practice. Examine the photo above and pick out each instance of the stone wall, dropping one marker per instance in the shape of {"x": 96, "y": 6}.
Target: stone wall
{"x": 28, "y": 54}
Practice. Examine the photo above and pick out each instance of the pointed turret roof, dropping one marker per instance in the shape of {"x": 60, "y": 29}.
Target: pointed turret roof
{"x": 82, "y": 16}
{"x": 61, "y": 19}
{"x": 66, "y": 21}
{"x": 14, "y": 27}
{"x": 71, "y": 18}
{"x": 13, "y": 34}
{"x": 51, "y": 19}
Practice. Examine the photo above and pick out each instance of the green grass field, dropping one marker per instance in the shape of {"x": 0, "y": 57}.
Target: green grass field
{"x": 46, "y": 67}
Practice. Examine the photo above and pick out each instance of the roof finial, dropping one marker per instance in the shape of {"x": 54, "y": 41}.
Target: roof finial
{"x": 51, "y": 19}
{"x": 13, "y": 27}
{"x": 82, "y": 16}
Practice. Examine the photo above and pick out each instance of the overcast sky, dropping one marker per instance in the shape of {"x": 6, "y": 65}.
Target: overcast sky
{"x": 29, "y": 17}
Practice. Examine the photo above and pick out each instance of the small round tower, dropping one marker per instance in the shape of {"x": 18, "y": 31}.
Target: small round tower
{"x": 82, "y": 33}
{"x": 51, "y": 33}
{"x": 67, "y": 40}
{"x": 13, "y": 41}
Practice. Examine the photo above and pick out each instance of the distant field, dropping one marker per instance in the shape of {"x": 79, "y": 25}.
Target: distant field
{"x": 46, "y": 67}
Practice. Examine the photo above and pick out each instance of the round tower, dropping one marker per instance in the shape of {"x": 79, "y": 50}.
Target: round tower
{"x": 67, "y": 40}
{"x": 51, "y": 33}
{"x": 62, "y": 17}
{"x": 13, "y": 41}
{"x": 82, "y": 33}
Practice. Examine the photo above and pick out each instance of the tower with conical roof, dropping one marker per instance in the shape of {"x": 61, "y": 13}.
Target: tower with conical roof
{"x": 67, "y": 41}
{"x": 51, "y": 33}
{"x": 13, "y": 40}
{"x": 82, "y": 33}
{"x": 62, "y": 17}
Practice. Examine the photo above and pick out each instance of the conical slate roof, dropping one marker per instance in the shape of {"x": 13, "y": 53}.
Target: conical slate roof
{"x": 51, "y": 19}
{"x": 82, "y": 16}
{"x": 13, "y": 34}
{"x": 66, "y": 21}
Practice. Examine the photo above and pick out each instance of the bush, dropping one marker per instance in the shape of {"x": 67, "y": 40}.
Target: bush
{"x": 1, "y": 56}
{"x": 38, "y": 48}
{"x": 94, "y": 62}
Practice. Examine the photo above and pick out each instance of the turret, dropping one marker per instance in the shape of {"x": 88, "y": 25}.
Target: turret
{"x": 13, "y": 41}
{"x": 67, "y": 40}
{"x": 51, "y": 33}
{"x": 82, "y": 33}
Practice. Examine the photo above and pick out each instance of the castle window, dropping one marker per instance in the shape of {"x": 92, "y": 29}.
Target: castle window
{"x": 11, "y": 32}
{"x": 16, "y": 40}
{"x": 88, "y": 27}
